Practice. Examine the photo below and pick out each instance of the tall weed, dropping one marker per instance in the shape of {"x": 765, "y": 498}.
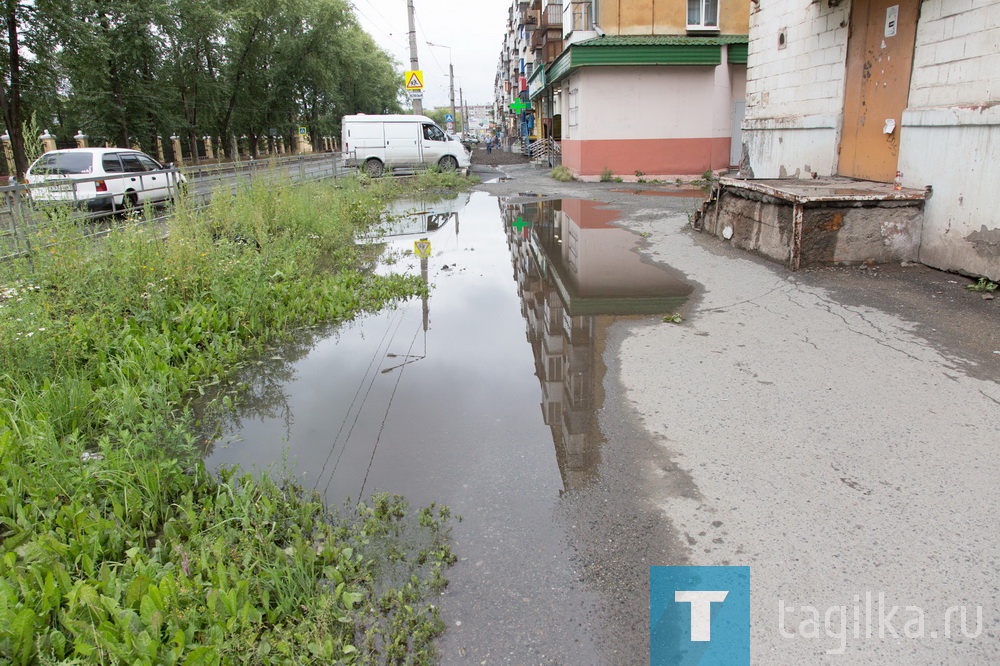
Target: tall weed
{"x": 115, "y": 544}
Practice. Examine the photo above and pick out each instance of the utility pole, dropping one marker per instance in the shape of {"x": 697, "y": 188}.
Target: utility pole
{"x": 418, "y": 105}
{"x": 451, "y": 86}
{"x": 465, "y": 111}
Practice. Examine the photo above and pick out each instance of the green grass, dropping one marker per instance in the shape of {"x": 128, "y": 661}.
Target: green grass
{"x": 116, "y": 546}
{"x": 983, "y": 285}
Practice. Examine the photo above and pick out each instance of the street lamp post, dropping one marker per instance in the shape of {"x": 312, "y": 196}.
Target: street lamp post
{"x": 451, "y": 77}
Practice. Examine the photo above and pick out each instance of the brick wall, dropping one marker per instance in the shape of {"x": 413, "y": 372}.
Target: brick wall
{"x": 805, "y": 74}
{"x": 957, "y": 56}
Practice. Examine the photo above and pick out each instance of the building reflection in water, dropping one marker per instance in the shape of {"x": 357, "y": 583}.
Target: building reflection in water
{"x": 577, "y": 274}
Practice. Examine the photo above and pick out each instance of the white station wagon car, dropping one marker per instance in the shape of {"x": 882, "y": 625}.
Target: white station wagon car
{"x": 102, "y": 179}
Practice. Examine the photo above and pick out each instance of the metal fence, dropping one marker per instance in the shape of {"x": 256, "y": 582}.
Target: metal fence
{"x": 23, "y": 210}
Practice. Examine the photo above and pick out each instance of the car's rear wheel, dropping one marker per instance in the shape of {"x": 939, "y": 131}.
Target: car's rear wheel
{"x": 130, "y": 202}
{"x": 448, "y": 163}
{"x": 180, "y": 191}
{"x": 374, "y": 167}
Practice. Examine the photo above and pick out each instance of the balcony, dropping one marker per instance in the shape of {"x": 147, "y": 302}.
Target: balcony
{"x": 537, "y": 39}
{"x": 552, "y": 17}
{"x": 581, "y": 16}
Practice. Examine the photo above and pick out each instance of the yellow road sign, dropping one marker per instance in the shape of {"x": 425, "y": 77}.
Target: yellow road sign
{"x": 414, "y": 79}
{"x": 422, "y": 248}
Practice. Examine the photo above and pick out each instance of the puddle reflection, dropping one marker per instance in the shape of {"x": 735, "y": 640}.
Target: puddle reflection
{"x": 331, "y": 397}
{"x": 576, "y": 274}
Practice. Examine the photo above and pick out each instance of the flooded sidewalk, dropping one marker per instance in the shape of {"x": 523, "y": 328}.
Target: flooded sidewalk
{"x": 484, "y": 397}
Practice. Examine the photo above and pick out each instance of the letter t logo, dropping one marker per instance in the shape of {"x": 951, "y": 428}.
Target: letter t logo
{"x": 701, "y": 610}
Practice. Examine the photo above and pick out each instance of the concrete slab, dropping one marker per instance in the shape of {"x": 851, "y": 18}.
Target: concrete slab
{"x": 821, "y": 221}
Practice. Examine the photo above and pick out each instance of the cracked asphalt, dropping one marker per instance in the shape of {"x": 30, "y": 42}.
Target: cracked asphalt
{"x": 836, "y": 429}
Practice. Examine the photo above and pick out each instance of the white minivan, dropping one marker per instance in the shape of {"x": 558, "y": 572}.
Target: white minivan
{"x": 102, "y": 180}
{"x": 376, "y": 143}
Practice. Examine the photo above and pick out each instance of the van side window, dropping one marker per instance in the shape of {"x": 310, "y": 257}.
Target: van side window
{"x": 434, "y": 133}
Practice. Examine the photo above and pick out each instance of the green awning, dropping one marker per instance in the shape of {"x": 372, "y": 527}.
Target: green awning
{"x": 625, "y": 50}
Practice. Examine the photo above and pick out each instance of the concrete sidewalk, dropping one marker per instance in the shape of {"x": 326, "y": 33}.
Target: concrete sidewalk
{"x": 837, "y": 430}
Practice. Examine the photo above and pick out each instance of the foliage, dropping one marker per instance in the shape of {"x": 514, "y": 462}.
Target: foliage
{"x": 433, "y": 179}
{"x": 562, "y": 174}
{"x": 116, "y": 545}
{"x": 983, "y": 285}
{"x": 607, "y": 174}
{"x": 674, "y": 318}
{"x": 438, "y": 116}
{"x": 132, "y": 71}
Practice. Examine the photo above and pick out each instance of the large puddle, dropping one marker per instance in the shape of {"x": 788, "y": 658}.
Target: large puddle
{"x": 481, "y": 397}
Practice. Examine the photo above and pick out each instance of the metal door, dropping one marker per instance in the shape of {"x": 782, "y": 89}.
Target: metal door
{"x": 736, "y": 142}
{"x": 879, "y": 60}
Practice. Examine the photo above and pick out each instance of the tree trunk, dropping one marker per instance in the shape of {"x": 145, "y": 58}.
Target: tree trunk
{"x": 10, "y": 105}
{"x": 193, "y": 144}
{"x": 116, "y": 90}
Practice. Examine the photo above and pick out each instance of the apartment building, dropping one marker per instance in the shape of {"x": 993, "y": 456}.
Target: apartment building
{"x": 628, "y": 87}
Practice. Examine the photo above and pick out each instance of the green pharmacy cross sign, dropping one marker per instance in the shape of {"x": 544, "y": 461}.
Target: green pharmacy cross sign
{"x": 519, "y": 106}
{"x": 520, "y": 224}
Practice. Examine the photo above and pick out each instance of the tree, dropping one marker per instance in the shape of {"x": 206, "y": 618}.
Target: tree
{"x": 21, "y": 33}
{"x": 438, "y": 116}
{"x": 133, "y": 70}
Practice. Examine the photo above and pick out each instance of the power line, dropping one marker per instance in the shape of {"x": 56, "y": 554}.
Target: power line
{"x": 385, "y": 418}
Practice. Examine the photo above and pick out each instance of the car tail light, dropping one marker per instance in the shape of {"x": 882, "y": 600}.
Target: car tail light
{"x": 101, "y": 186}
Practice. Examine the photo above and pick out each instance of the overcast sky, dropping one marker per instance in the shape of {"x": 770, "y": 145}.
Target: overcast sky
{"x": 472, "y": 28}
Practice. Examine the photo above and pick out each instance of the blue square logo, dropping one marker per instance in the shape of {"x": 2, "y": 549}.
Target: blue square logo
{"x": 699, "y": 616}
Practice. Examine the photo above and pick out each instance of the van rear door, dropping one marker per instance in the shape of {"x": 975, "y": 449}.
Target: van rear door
{"x": 401, "y": 146}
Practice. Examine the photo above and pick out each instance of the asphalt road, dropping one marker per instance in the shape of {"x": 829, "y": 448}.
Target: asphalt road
{"x": 835, "y": 429}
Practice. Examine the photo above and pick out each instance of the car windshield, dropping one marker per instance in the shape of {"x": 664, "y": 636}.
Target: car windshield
{"x": 63, "y": 164}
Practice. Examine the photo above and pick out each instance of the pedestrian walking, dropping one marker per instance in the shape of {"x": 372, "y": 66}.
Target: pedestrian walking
{"x": 489, "y": 144}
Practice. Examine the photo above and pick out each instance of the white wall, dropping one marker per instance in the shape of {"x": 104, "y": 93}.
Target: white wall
{"x": 951, "y": 134}
{"x": 795, "y": 93}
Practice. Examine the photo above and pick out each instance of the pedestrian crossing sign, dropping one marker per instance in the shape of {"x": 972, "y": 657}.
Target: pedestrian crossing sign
{"x": 422, "y": 248}
{"x": 414, "y": 79}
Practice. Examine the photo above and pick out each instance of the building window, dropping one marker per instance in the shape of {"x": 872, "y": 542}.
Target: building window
{"x": 703, "y": 15}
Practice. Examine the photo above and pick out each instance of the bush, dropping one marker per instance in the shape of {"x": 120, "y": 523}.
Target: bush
{"x": 562, "y": 174}
{"x": 607, "y": 175}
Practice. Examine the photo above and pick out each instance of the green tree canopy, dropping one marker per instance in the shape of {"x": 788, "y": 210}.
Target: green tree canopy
{"x": 129, "y": 71}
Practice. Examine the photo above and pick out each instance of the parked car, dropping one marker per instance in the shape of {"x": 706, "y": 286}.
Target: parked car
{"x": 470, "y": 138}
{"x": 102, "y": 179}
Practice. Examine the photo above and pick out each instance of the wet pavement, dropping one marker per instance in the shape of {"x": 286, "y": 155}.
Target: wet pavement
{"x": 835, "y": 429}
